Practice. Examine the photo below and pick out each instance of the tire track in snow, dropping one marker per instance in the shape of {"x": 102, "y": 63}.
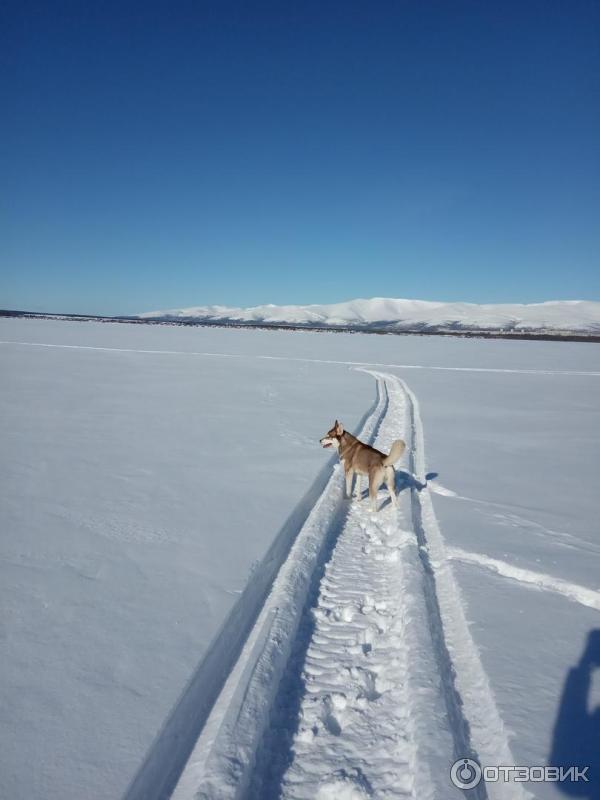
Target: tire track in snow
{"x": 360, "y": 711}
{"x": 358, "y": 364}
{"x": 349, "y": 719}
{"x": 360, "y": 677}
{"x": 539, "y": 580}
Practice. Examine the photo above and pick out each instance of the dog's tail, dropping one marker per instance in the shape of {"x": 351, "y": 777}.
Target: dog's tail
{"x": 398, "y": 447}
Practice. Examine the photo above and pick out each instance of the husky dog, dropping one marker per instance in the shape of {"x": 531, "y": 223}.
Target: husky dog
{"x": 362, "y": 459}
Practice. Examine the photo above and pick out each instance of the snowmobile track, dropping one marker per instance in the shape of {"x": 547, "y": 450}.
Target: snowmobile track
{"x": 357, "y": 676}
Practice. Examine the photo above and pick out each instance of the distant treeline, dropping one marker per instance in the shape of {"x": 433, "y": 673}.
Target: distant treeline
{"x": 374, "y": 328}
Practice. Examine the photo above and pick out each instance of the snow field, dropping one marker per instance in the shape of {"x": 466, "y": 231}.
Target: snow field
{"x": 131, "y": 581}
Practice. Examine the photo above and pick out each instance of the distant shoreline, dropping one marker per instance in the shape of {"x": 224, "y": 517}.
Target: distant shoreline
{"x": 378, "y": 329}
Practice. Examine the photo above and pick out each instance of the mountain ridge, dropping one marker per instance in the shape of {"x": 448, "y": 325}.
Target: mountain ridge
{"x": 399, "y": 314}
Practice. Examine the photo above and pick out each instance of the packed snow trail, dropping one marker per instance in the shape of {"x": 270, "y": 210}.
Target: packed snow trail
{"x": 361, "y": 710}
{"x": 360, "y": 678}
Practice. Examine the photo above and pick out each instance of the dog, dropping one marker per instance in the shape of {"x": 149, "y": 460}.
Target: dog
{"x": 361, "y": 459}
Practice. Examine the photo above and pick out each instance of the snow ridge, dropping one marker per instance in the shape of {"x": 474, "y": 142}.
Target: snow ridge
{"x": 539, "y": 580}
{"x": 399, "y": 314}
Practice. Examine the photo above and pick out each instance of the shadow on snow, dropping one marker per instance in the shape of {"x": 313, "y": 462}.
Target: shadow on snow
{"x": 576, "y": 736}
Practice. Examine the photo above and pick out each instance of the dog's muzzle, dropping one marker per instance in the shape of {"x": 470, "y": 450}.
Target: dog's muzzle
{"x": 326, "y": 442}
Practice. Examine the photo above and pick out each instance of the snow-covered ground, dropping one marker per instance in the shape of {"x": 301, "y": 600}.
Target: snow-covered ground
{"x": 399, "y": 314}
{"x": 157, "y": 480}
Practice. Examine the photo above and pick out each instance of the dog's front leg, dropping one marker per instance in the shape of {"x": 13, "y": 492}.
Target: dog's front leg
{"x": 349, "y": 479}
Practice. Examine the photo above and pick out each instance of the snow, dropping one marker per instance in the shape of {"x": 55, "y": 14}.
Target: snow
{"x": 377, "y": 688}
{"x": 559, "y": 315}
{"x": 132, "y": 515}
{"x": 149, "y": 475}
{"x": 587, "y": 597}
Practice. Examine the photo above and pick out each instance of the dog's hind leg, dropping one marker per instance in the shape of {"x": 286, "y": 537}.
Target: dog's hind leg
{"x": 390, "y": 482}
{"x": 375, "y": 481}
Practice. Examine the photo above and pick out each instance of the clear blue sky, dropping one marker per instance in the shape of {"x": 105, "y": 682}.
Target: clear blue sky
{"x": 159, "y": 155}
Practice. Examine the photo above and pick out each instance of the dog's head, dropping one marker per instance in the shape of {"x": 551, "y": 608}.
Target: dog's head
{"x": 333, "y": 436}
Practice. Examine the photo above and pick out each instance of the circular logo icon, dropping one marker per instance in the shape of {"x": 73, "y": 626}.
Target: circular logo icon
{"x": 465, "y": 773}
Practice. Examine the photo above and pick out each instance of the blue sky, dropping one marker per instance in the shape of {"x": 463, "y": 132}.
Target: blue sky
{"x": 159, "y": 155}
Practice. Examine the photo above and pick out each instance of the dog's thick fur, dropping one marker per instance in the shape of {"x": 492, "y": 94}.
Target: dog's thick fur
{"x": 361, "y": 459}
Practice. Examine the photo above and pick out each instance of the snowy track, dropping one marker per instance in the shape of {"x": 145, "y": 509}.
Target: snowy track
{"x": 359, "y": 678}
{"x": 361, "y": 710}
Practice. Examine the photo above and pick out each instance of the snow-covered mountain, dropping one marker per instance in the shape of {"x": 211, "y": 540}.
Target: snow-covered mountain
{"x": 386, "y": 313}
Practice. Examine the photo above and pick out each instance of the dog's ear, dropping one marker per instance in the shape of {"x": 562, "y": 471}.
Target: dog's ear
{"x": 339, "y": 428}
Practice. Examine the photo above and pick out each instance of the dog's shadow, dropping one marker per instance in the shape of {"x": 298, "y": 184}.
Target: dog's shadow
{"x": 404, "y": 480}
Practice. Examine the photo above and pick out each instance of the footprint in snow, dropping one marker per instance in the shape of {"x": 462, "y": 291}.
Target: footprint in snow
{"x": 366, "y": 638}
{"x": 333, "y": 707}
{"x": 371, "y": 684}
